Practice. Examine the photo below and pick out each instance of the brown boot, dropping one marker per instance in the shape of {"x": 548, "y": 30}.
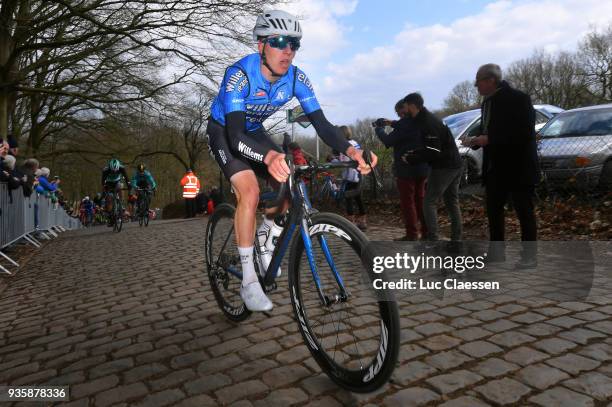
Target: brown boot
{"x": 362, "y": 222}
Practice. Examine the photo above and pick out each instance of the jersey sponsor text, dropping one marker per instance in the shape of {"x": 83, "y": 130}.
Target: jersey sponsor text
{"x": 248, "y": 151}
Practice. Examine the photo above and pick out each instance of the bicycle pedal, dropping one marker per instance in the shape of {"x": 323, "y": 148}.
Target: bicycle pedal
{"x": 271, "y": 287}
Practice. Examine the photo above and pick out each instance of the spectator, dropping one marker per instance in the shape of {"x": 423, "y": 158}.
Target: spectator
{"x": 29, "y": 168}
{"x": 202, "y": 202}
{"x": 44, "y": 187}
{"x": 441, "y": 152}
{"x": 352, "y": 178}
{"x": 510, "y": 159}
{"x": 13, "y": 145}
{"x": 298, "y": 154}
{"x": 191, "y": 187}
{"x": 9, "y": 175}
{"x": 14, "y": 177}
{"x": 410, "y": 178}
{"x": 210, "y": 207}
{"x": 4, "y": 149}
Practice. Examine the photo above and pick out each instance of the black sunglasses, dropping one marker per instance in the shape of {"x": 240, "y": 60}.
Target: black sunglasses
{"x": 282, "y": 41}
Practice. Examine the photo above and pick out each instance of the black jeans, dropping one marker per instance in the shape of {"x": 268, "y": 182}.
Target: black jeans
{"x": 352, "y": 186}
{"x": 190, "y": 207}
{"x": 522, "y": 200}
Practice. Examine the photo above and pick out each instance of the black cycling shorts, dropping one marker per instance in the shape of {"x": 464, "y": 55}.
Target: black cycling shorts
{"x": 111, "y": 186}
{"x": 232, "y": 163}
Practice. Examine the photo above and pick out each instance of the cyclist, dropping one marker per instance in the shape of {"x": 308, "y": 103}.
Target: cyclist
{"x": 87, "y": 208}
{"x": 144, "y": 180}
{"x": 111, "y": 177}
{"x": 252, "y": 89}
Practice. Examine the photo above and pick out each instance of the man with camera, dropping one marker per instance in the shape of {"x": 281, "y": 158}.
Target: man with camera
{"x": 410, "y": 178}
{"x": 441, "y": 152}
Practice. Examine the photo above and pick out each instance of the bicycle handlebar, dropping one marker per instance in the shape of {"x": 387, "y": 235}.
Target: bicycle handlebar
{"x": 316, "y": 168}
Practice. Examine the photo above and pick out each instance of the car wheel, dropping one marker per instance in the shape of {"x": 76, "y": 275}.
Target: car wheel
{"x": 469, "y": 174}
{"x": 605, "y": 180}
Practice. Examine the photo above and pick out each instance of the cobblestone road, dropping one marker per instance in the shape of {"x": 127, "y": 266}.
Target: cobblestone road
{"x": 129, "y": 319}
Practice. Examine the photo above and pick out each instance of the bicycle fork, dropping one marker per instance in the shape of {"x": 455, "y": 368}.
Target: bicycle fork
{"x": 327, "y": 301}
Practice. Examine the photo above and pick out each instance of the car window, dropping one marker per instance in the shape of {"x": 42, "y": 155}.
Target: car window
{"x": 474, "y": 129}
{"x": 458, "y": 122}
{"x": 581, "y": 123}
{"x": 541, "y": 118}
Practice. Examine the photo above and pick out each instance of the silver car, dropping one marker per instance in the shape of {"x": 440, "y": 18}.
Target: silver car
{"x": 576, "y": 148}
{"x": 467, "y": 124}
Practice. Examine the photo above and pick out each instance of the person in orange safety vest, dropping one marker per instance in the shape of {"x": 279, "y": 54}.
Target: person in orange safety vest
{"x": 191, "y": 187}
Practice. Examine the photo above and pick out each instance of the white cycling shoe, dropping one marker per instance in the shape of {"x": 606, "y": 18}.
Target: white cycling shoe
{"x": 254, "y": 298}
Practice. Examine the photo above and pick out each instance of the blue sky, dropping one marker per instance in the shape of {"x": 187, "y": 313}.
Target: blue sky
{"x": 363, "y": 55}
{"x": 376, "y": 22}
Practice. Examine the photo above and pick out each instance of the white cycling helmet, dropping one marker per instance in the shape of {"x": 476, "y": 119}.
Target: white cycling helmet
{"x": 276, "y": 22}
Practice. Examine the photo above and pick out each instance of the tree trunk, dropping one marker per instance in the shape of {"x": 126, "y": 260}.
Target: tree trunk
{"x": 4, "y": 81}
{"x": 7, "y": 45}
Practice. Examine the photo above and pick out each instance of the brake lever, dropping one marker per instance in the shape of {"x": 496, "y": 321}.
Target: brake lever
{"x": 367, "y": 157}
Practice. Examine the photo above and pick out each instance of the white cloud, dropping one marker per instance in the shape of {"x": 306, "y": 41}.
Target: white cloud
{"x": 432, "y": 59}
{"x": 323, "y": 33}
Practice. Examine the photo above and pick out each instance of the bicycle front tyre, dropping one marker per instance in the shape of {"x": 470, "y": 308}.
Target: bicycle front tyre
{"x": 355, "y": 340}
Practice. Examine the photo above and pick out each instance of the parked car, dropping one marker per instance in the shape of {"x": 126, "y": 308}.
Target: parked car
{"x": 576, "y": 148}
{"x": 467, "y": 124}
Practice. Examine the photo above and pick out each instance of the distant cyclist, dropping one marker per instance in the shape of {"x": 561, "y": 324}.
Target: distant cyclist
{"x": 143, "y": 180}
{"x": 87, "y": 209}
{"x": 111, "y": 182}
{"x": 252, "y": 89}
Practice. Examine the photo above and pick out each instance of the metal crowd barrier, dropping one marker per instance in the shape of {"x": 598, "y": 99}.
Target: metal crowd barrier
{"x": 21, "y": 218}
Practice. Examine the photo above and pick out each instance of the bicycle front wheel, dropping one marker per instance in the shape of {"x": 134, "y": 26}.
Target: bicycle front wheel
{"x": 223, "y": 263}
{"x": 118, "y": 216}
{"x": 145, "y": 213}
{"x": 355, "y": 337}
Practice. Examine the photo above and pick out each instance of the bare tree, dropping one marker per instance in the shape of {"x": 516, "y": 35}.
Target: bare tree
{"x": 551, "y": 79}
{"x": 595, "y": 56}
{"x": 81, "y": 42}
{"x": 462, "y": 97}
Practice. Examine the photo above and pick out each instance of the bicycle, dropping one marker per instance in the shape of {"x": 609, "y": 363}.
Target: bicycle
{"x": 142, "y": 205}
{"x": 330, "y": 190}
{"x": 338, "y": 316}
{"x": 86, "y": 217}
{"x": 116, "y": 214}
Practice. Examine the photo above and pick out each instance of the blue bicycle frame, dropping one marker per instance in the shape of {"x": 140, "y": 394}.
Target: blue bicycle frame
{"x": 298, "y": 217}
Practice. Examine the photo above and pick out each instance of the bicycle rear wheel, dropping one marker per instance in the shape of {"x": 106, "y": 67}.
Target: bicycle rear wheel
{"x": 355, "y": 340}
{"x": 222, "y": 259}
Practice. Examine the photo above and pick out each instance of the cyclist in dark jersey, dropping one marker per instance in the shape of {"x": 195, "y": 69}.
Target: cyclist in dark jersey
{"x": 111, "y": 178}
{"x": 252, "y": 89}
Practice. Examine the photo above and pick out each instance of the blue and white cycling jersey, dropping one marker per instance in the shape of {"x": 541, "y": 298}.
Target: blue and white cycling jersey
{"x": 244, "y": 88}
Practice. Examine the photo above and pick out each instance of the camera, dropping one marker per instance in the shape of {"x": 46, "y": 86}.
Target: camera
{"x": 379, "y": 123}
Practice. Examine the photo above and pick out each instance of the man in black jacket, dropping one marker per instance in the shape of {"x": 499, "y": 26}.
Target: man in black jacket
{"x": 442, "y": 154}
{"x": 410, "y": 178}
{"x": 510, "y": 159}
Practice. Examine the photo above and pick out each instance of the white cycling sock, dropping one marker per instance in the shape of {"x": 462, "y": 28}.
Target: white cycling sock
{"x": 248, "y": 268}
